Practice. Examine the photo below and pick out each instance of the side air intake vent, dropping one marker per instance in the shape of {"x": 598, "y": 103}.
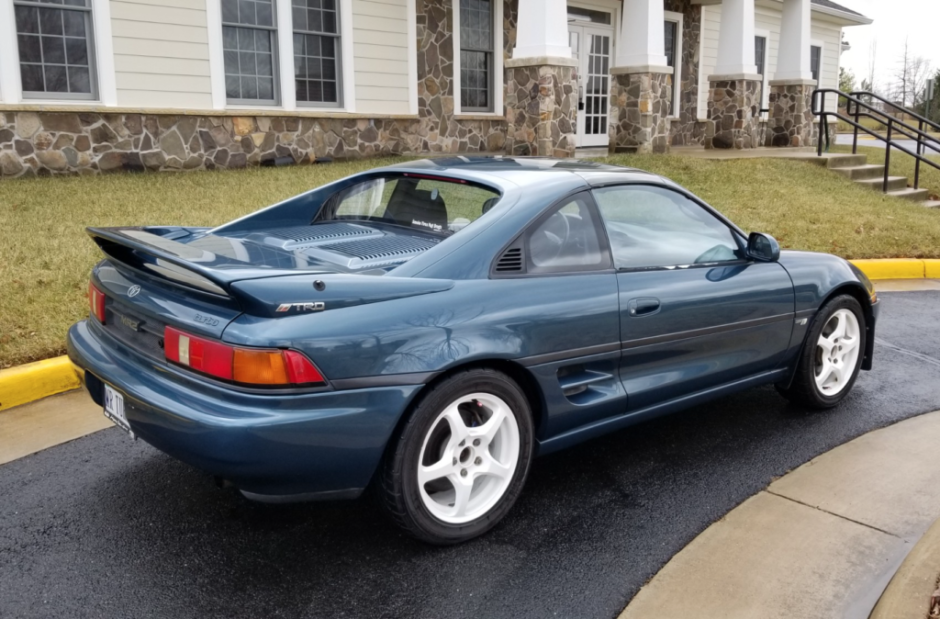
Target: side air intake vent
{"x": 511, "y": 261}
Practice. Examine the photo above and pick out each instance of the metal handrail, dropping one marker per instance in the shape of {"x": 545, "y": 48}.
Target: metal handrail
{"x": 864, "y": 93}
{"x": 923, "y": 139}
{"x": 881, "y": 119}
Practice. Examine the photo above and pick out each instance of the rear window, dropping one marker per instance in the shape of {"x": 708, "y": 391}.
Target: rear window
{"x": 433, "y": 205}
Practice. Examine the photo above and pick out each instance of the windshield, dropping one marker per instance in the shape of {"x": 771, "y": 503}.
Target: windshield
{"x": 438, "y": 205}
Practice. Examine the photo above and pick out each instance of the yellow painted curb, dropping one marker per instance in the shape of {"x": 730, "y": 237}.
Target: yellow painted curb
{"x": 899, "y": 268}
{"x": 932, "y": 269}
{"x": 34, "y": 381}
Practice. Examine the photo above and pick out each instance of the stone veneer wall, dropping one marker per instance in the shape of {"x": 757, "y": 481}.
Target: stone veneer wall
{"x": 541, "y": 109}
{"x": 439, "y": 129}
{"x": 87, "y": 143}
{"x": 687, "y": 129}
{"x": 733, "y": 114}
{"x": 639, "y": 109}
{"x": 791, "y": 116}
{"x": 46, "y": 143}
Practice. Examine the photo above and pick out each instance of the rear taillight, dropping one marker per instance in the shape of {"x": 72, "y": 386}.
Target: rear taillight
{"x": 96, "y": 302}
{"x": 247, "y": 366}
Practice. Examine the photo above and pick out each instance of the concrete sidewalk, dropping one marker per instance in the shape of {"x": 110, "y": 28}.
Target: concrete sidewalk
{"x": 48, "y": 422}
{"x": 822, "y": 541}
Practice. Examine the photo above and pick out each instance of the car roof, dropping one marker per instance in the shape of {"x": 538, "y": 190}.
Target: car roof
{"x": 523, "y": 171}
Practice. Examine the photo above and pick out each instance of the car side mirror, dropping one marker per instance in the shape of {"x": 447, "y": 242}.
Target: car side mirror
{"x": 762, "y": 247}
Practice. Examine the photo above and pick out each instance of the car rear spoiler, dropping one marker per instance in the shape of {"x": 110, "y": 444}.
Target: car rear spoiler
{"x": 181, "y": 264}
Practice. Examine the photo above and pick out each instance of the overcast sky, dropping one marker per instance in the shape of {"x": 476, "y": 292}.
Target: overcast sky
{"x": 918, "y": 21}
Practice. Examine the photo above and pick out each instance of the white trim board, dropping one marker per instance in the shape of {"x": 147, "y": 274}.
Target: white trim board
{"x": 412, "y": 11}
{"x": 216, "y": 58}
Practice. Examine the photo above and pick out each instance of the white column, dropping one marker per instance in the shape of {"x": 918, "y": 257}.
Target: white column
{"x": 642, "y": 42}
{"x": 793, "y": 62}
{"x": 542, "y": 29}
{"x": 284, "y": 20}
{"x": 736, "y": 40}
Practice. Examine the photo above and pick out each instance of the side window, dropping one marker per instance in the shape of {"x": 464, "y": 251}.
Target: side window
{"x": 653, "y": 227}
{"x": 566, "y": 240}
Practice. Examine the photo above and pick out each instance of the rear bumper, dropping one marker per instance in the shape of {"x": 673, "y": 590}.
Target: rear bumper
{"x": 326, "y": 444}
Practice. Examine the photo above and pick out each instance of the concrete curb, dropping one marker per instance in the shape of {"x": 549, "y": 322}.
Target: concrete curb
{"x": 27, "y": 383}
{"x": 908, "y": 593}
{"x": 34, "y": 381}
{"x": 822, "y": 541}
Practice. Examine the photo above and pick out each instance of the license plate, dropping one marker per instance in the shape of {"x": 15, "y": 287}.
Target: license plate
{"x": 114, "y": 409}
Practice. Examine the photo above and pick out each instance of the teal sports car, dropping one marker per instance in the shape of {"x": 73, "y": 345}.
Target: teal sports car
{"x": 426, "y": 329}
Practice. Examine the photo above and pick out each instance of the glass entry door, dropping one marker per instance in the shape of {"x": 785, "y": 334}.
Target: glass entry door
{"x": 592, "y": 46}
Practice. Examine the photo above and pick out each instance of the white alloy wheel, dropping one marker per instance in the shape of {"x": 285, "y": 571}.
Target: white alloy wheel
{"x": 837, "y": 352}
{"x": 468, "y": 458}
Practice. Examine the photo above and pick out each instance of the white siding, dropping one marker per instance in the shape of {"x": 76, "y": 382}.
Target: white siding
{"x": 830, "y": 35}
{"x": 380, "y": 51}
{"x": 767, "y": 18}
{"x": 161, "y": 53}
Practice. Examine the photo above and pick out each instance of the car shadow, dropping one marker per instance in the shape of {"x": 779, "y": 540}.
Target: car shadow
{"x": 611, "y": 497}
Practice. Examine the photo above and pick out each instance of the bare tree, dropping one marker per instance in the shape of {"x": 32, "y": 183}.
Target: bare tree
{"x": 911, "y": 78}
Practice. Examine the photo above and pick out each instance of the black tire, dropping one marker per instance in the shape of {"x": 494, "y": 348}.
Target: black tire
{"x": 399, "y": 482}
{"x": 804, "y": 390}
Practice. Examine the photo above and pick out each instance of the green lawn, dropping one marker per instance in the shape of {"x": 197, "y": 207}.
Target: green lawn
{"x": 45, "y": 256}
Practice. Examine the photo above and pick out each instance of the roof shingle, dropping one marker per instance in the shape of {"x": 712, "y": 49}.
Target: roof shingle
{"x": 832, "y": 5}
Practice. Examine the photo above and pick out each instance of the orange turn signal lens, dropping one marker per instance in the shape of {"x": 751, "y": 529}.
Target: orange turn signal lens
{"x": 96, "y": 302}
{"x": 260, "y": 367}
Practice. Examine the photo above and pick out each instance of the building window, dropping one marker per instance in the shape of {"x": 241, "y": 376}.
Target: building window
{"x": 760, "y": 54}
{"x": 760, "y": 61}
{"x": 672, "y": 51}
{"x": 672, "y": 40}
{"x": 815, "y": 55}
{"x": 55, "y": 44}
{"x": 476, "y": 55}
{"x": 316, "y": 51}
{"x": 249, "y": 38}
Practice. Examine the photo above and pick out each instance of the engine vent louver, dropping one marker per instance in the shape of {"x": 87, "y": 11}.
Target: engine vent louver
{"x": 511, "y": 261}
{"x": 321, "y": 232}
{"x": 384, "y": 247}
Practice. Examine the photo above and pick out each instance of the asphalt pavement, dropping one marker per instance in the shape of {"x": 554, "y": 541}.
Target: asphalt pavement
{"x": 866, "y": 140}
{"x": 107, "y": 527}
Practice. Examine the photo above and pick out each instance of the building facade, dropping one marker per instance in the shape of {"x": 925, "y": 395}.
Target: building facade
{"x": 90, "y": 86}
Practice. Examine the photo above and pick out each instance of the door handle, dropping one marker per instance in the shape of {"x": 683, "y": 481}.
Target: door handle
{"x": 644, "y": 306}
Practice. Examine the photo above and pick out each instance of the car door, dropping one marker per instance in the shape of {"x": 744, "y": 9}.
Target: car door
{"x": 560, "y": 280}
{"x": 694, "y": 312}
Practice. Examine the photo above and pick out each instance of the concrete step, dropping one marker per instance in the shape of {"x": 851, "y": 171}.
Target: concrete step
{"x": 861, "y": 172}
{"x": 895, "y": 183}
{"x": 909, "y": 193}
{"x": 932, "y": 203}
{"x": 846, "y": 161}
{"x": 833, "y": 161}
